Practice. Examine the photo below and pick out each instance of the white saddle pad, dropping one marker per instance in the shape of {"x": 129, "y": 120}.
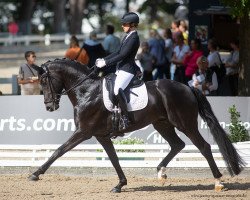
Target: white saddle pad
{"x": 136, "y": 102}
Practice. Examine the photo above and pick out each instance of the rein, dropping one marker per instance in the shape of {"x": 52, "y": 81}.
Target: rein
{"x": 56, "y": 97}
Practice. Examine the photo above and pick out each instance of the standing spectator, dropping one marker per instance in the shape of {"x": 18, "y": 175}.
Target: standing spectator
{"x": 111, "y": 43}
{"x": 232, "y": 67}
{"x": 169, "y": 47}
{"x": 75, "y": 52}
{"x": 180, "y": 51}
{"x": 214, "y": 56}
{"x": 204, "y": 79}
{"x": 157, "y": 49}
{"x": 13, "y": 28}
{"x": 190, "y": 60}
{"x": 147, "y": 60}
{"x": 175, "y": 29}
{"x": 215, "y": 64}
{"x": 184, "y": 29}
{"x": 28, "y": 75}
{"x": 94, "y": 48}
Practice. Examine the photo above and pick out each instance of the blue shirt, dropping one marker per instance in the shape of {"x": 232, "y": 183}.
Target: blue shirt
{"x": 111, "y": 44}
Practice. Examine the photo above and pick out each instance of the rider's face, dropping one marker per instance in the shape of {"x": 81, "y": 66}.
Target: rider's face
{"x": 125, "y": 27}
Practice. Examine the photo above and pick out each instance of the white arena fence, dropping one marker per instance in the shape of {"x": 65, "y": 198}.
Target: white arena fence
{"x": 46, "y": 39}
{"x": 92, "y": 155}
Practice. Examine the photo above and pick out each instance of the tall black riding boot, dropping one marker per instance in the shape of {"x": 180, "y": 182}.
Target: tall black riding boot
{"x": 124, "y": 111}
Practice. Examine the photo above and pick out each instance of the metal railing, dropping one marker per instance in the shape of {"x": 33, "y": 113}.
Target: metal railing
{"x": 13, "y": 81}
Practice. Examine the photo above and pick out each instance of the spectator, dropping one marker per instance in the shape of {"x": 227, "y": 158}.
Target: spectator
{"x": 175, "y": 29}
{"x": 204, "y": 79}
{"x": 111, "y": 43}
{"x": 232, "y": 67}
{"x": 75, "y": 52}
{"x": 94, "y": 48}
{"x": 157, "y": 49}
{"x": 180, "y": 52}
{"x": 13, "y": 28}
{"x": 28, "y": 75}
{"x": 190, "y": 60}
{"x": 184, "y": 29}
{"x": 215, "y": 64}
{"x": 214, "y": 56}
{"x": 147, "y": 60}
{"x": 169, "y": 47}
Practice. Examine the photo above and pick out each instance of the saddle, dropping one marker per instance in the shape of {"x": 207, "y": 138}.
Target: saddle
{"x": 110, "y": 82}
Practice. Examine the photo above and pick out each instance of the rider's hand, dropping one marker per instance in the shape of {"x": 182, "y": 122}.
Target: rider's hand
{"x": 100, "y": 62}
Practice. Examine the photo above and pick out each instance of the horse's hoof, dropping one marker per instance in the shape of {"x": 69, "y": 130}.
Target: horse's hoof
{"x": 218, "y": 188}
{"x": 33, "y": 177}
{"x": 116, "y": 190}
{"x": 162, "y": 176}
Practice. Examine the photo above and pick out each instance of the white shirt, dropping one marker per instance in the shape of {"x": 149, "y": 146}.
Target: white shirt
{"x": 214, "y": 59}
{"x": 180, "y": 52}
{"x": 212, "y": 87}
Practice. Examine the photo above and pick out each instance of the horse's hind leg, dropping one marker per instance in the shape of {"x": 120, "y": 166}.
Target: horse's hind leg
{"x": 167, "y": 131}
{"x": 205, "y": 150}
{"x": 73, "y": 141}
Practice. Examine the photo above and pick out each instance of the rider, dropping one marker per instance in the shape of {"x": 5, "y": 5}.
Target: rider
{"x": 124, "y": 59}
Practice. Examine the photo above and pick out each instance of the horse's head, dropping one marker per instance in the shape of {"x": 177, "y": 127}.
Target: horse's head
{"x": 52, "y": 86}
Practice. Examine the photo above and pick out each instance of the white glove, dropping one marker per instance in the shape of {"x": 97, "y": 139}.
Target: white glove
{"x": 100, "y": 62}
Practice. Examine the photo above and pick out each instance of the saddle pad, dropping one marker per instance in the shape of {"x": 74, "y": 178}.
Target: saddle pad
{"x": 136, "y": 102}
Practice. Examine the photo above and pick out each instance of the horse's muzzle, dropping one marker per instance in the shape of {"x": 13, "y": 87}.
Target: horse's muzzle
{"x": 52, "y": 108}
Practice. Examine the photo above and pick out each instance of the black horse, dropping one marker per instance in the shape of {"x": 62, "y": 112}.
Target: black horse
{"x": 171, "y": 104}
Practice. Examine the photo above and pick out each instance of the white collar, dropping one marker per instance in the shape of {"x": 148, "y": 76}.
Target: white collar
{"x": 130, "y": 34}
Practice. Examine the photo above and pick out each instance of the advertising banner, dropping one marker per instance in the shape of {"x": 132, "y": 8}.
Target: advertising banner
{"x": 24, "y": 120}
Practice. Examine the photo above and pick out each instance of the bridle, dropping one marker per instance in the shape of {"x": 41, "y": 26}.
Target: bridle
{"x": 56, "y": 96}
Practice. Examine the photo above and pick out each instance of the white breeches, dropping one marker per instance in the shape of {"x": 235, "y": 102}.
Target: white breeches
{"x": 122, "y": 80}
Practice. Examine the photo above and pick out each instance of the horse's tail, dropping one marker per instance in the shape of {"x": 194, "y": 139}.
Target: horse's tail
{"x": 232, "y": 159}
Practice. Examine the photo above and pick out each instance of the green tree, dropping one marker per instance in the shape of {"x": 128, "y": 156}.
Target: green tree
{"x": 238, "y": 132}
{"x": 241, "y": 10}
{"x": 152, "y": 8}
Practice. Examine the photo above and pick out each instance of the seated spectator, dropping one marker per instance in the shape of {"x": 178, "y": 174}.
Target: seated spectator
{"x": 180, "y": 52}
{"x": 94, "y": 48}
{"x": 147, "y": 61}
{"x": 76, "y": 53}
{"x": 204, "y": 79}
{"x": 28, "y": 75}
{"x": 111, "y": 43}
{"x": 190, "y": 60}
{"x": 232, "y": 67}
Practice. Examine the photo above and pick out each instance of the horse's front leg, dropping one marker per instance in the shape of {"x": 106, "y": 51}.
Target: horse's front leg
{"x": 110, "y": 150}
{"x": 73, "y": 141}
